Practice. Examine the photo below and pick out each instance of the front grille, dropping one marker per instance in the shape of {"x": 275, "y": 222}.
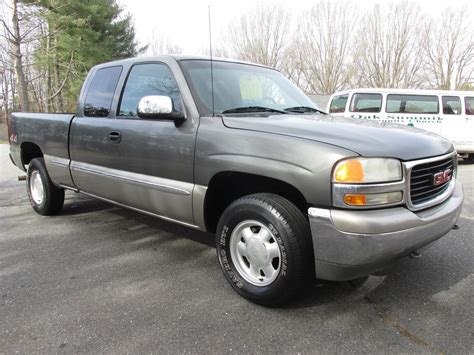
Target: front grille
{"x": 422, "y": 188}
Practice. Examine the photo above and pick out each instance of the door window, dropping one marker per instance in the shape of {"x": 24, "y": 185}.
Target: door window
{"x": 144, "y": 80}
{"x": 366, "y": 103}
{"x": 338, "y": 104}
{"x": 101, "y": 92}
{"x": 469, "y": 102}
{"x": 451, "y": 105}
{"x": 398, "y": 103}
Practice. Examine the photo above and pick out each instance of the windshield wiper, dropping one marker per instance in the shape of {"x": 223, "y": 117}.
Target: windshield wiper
{"x": 245, "y": 109}
{"x": 304, "y": 109}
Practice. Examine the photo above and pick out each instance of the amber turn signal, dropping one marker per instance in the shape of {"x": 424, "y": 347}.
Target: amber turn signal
{"x": 354, "y": 200}
{"x": 373, "y": 199}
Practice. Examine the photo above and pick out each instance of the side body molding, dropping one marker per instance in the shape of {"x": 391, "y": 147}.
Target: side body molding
{"x": 166, "y": 198}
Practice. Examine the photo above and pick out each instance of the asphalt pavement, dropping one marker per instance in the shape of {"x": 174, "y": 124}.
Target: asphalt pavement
{"x": 98, "y": 278}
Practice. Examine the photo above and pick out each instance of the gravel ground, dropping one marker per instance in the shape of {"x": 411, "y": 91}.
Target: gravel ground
{"x": 98, "y": 278}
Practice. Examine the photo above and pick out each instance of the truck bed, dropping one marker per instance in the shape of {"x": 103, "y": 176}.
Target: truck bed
{"x": 50, "y": 131}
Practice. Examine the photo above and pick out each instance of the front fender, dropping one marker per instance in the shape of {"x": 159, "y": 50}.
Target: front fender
{"x": 302, "y": 163}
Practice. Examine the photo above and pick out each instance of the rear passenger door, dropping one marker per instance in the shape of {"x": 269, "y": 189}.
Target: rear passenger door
{"x": 88, "y": 137}
{"x": 146, "y": 164}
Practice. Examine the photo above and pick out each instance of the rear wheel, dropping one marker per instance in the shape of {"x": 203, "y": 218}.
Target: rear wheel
{"x": 262, "y": 245}
{"x": 45, "y": 198}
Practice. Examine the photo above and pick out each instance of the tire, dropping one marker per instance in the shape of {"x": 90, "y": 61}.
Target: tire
{"x": 45, "y": 198}
{"x": 264, "y": 249}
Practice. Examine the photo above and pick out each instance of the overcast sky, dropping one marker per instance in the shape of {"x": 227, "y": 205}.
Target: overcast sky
{"x": 186, "y": 22}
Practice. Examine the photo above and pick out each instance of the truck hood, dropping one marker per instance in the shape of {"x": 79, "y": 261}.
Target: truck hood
{"x": 367, "y": 138}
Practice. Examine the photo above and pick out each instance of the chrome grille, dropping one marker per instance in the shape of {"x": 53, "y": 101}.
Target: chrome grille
{"x": 422, "y": 187}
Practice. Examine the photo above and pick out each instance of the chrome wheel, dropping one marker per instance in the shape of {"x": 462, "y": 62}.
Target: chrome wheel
{"x": 255, "y": 253}
{"x": 36, "y": 187}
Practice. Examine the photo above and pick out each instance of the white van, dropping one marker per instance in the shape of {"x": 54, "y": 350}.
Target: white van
{"x": 447, "y": 113}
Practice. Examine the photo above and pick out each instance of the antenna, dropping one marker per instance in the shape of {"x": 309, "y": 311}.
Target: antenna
{"x": 210, "y": 56}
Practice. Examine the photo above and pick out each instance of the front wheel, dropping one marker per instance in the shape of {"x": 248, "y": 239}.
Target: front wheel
{"x": 45, "y": 198}
{"x": 264, "y": 249}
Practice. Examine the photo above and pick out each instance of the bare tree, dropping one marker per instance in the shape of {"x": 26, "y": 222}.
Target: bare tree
{"x": 5, "y": 69}
{"x": 161, "y": 43}
{"x": 261, "y": 35}
{"x": 16, "y": 38}
{"x": 324, "y": 43}
{"x": 5, "y": 73}
{"x": 18, "y": 34}
{"x": 220, "y": 47}
{"x": 295, "y": 66}
{"x": 389, "y": 45}
{"x": 449, "y": 49}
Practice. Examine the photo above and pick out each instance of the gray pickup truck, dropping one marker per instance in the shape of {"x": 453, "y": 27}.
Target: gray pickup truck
{"x": 292, "y": 194}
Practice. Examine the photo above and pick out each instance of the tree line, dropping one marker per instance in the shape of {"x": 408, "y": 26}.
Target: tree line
{"x": 48, "y": 46}
{"x": 337, "y": 45}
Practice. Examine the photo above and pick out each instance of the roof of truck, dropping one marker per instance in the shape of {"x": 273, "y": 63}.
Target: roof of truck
{"x": 180, "y": 57}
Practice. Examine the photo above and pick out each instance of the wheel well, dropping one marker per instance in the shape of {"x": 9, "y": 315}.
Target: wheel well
{"x": 30, "y": 151}
{"x": 226, "y": 187}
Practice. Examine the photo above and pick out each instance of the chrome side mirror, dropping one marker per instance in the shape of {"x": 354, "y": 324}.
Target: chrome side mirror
{"x": 158, "y": 107}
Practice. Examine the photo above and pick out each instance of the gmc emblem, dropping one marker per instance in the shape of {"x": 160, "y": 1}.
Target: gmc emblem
{"x": 442, "y": 177}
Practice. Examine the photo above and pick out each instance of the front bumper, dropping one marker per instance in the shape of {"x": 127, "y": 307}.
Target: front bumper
{"x": 349, "y": 244}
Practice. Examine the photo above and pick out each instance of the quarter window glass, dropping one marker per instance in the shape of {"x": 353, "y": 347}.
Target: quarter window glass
{"x": 469, "y": 102}
{"x": 338, "y": 104}
{"x": 366, "y": 103}
{"x": 101, "y": 92}
{"x": 145, "y": 80}
{"x": 451, "y": 105}
{"x": 412, "y": 104}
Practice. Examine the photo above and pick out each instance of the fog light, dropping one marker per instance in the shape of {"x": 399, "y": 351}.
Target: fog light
{"x": 373, "y": 199}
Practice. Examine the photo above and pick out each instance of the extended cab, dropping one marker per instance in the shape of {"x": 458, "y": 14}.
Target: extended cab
{"x": 235, "y": 149}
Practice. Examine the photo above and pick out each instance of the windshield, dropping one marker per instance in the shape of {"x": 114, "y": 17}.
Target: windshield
{"x": 241, "y": 86}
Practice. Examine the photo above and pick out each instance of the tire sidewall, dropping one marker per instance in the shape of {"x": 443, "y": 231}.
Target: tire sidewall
{"x": 36, "y": 165}
{"x": 275, "y": 222}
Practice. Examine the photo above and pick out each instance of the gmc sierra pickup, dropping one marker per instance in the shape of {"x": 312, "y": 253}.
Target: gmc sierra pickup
{"x": 291, "y": 193}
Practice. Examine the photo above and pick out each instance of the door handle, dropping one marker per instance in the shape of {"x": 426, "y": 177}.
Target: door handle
{"x": 115, "y": 137}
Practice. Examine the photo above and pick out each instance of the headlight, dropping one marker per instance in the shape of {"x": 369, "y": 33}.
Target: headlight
{"x": 368, "y": 182}
{"x": 367, "y": 170}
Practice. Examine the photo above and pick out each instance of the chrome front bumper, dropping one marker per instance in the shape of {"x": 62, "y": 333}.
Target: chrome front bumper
{"x": 349, "y": 244}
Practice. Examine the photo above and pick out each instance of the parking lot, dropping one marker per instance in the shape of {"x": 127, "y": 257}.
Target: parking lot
{"x": 99, "y": 278}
